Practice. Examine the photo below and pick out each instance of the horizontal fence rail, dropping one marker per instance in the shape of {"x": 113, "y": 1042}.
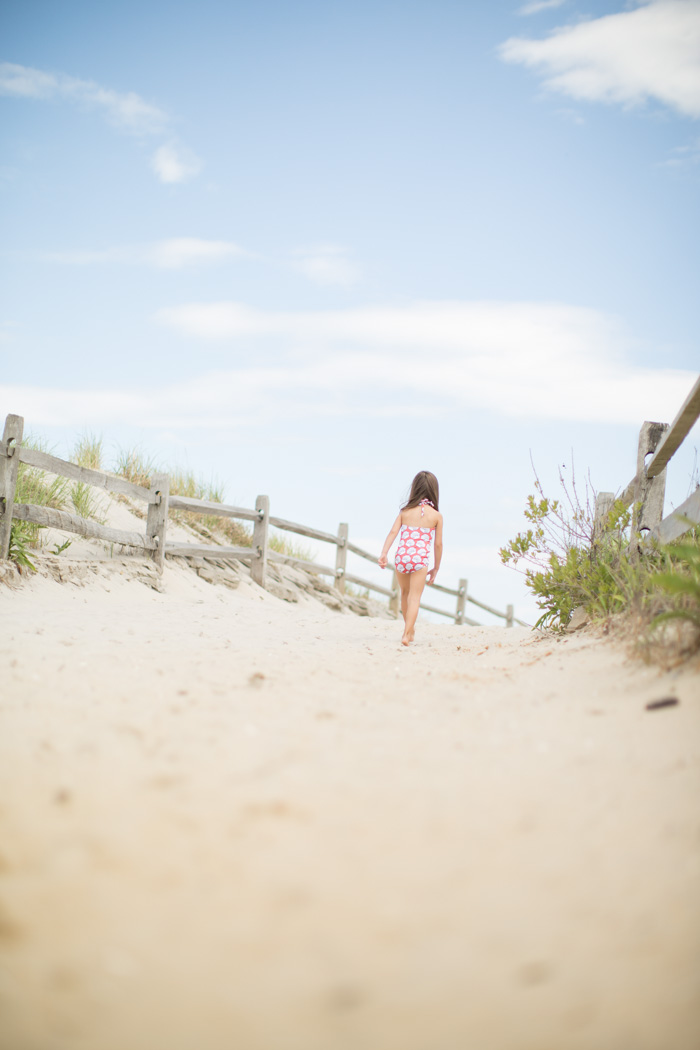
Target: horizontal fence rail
{"x": 50, "y": 518}
{"x": 97, "y": 478}
{"x": 160, "y": 501}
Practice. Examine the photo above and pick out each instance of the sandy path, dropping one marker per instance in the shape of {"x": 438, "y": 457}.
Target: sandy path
{"x": 483, "y": 842}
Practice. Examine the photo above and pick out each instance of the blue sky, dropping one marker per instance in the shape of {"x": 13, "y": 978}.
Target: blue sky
{"x": 312, "y": 248}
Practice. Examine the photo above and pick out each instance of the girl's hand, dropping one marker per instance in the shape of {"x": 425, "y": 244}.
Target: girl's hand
{"x": 430, "y": 578}
{"x": 383, "y": 559}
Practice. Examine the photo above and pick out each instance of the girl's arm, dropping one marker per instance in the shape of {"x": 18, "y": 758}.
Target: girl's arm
{"x": 388, "y": 542}
{"x": 430, "y": 578}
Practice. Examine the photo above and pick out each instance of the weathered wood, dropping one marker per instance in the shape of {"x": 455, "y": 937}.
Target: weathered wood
{"x": 434, "y": 609}
{"x": 461, "y": 601}
{"x": 626, "y": 498}
{"x": 486, "y": 608}
{"x": 203, "y": 506}
{"x": 639, "y": 488}
{"x": 676, "y": 434}
{"x": 362, "y": 553}
{"x": 303, "y": 530}
{"x": 360, "y": 582}
{"x": 452, "y": 591}
{"x": 603, "y": 505}
{"x": 509, "y": 615}
{"x": 341, "y": 556}
{"x": 301, "y": 563}
{"x": 157, "y": 519}
{"x": 60, "y": 519}
{"x": 208, "y": 550}
{"x": 677, "y": 523}
{"x": 649, "y": 492}
{"x": 258, "y": 568}
{"x": 97, "y": 478}
{"x": 9, "y": 466}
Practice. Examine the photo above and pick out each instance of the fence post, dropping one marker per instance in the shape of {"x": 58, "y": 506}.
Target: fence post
{"x": 603, "y": 505}
{"x": 341, "y": 556}
{"x": 258, "y": 565}
{"x": 395, "y": 592}
{"x": 649, "y": 492}
{"x": 510, "y": 613}
{"x": 157, "y": 517}
{"x": 9, "y": 466}
{"x": 461, "y": 601}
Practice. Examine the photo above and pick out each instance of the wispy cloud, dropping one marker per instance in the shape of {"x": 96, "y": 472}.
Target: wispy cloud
{"x": 538, "y": 361}
{"x": 326, "y": 265}
{"x": 540, "y": 5}
{"x": 174, "y": 253}
{"x": 125, "y": 110}
{"x": 649, "y": 53}
{"x": 683, "y": 156}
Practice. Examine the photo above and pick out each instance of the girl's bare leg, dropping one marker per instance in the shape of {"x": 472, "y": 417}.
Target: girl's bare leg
{"x": 415, "y": 590}
{"x": 404, "y": 581}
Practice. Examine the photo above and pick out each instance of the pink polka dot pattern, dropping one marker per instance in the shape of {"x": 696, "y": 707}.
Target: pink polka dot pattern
{"x": 413, "y": 551}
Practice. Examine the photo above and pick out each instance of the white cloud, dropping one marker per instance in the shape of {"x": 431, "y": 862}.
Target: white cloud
{"x": 326, "y": 265}
{"x": 548, "y": 361}
{"x": 172, "y": 254}
{"x": 650, "y": 52}
{"x": 540, "y": 5}
{"x": 424, "y": 361}
{"x": 128, "y": 110}
{"x": 173, "y": 163}
{"x": 177, "y": 252}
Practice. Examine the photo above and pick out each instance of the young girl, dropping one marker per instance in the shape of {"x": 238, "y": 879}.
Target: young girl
{"x": 418, "y": 520}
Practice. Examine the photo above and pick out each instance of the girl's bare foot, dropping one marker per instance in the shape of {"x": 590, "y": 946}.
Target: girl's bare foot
{"x": 408, "y": 637}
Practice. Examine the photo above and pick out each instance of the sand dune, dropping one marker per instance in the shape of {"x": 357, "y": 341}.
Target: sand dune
{"x": 231, "y": 821}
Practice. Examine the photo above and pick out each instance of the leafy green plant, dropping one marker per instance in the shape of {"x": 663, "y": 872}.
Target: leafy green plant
{"x": 19, "y": 543}
{"x": 682, "y": 582}
{"x": 60, "y": 548}
{"x": 570, "y": 563}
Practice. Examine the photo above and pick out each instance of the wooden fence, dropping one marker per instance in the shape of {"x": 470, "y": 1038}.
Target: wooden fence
{"x": 159, "y": 502}
{"x": 647, "y": 489}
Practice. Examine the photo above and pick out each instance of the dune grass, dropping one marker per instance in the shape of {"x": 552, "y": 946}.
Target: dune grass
{"x": 40, "y": 489}
{"x": 87, "y": 452}
{"x": 37, "y": 487}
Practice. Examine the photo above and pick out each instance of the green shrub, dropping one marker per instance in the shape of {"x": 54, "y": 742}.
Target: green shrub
{"x": 570, "y": 564}
{"x": 19, "y": 543}
{"x": 681, "y": 581}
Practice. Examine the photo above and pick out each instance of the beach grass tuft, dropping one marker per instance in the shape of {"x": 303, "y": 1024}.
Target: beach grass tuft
{"x": 87, "y": 452}
{"x": 39, "y": 489}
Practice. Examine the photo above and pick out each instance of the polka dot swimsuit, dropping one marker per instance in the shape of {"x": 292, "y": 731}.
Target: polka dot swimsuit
{"x": 413, "y": 551}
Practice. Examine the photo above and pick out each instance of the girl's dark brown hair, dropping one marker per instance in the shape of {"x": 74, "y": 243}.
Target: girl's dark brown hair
{"x": 424, "y": 486}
